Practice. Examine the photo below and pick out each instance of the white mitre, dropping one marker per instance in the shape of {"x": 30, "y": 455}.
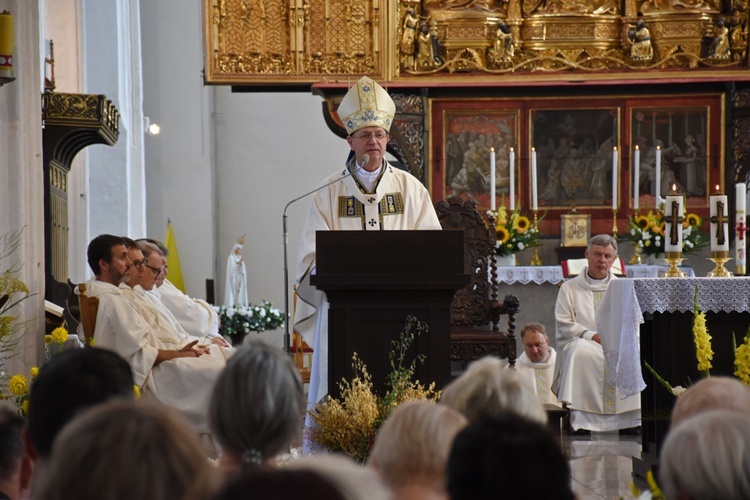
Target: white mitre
{"x": 366, "y": 104}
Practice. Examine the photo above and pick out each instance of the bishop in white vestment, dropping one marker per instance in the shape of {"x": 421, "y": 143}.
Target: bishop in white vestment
{"x": 371, "y": 195}
{"x": 580, "y": 380}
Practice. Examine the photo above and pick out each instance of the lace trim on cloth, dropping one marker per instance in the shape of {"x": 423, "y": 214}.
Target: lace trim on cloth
{"x": 676, "y": 294}
{"x": 626, "y": 356}
{"x": 530, "y": 274}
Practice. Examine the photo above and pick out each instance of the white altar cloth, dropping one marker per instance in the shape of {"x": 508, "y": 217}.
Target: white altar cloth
{"x": 620, "y": 315}
{"x": 530, "y": 274}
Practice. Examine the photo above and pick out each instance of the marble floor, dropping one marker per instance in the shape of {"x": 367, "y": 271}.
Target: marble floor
{"x": 601, "y": 464}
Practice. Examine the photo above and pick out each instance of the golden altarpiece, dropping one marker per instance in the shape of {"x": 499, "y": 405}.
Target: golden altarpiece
{"x": 672, "y": 73}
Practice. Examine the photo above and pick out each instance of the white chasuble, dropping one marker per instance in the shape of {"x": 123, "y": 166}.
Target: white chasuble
{"x": 129, "y": 326}
{"x": 196, "y": 316}
{"x": 579, "y": 373}
{"x": 539, "y": 375}
{"x": 399, "y": 202}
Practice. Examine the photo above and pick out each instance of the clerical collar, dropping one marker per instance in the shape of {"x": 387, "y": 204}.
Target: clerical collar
{"x": 594, "y": 281}
{"x": 368, "y": 179}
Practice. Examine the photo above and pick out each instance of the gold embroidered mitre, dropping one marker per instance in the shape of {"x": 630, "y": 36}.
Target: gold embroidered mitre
{"x": 366, "y": 104}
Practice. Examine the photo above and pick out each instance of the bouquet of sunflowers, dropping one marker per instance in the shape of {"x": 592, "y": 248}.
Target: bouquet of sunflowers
{"x": 647, "y": 233}
{"x": 515, "y": 232}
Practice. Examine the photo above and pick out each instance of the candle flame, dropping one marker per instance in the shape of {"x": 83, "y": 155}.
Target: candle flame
{"x": 533, "y": 149}
{"x": 614, "y": 148}
{"x": 492, "y": 150}
{"x": 511, "y": 150}
{"x": 636, "y": 147}
{"x": 717, "y": 189}
{"x": 674, "y": 187}
{"x": 658, "y": 148}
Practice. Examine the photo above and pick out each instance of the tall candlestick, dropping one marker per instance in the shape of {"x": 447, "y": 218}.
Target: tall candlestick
{"x": 493, "y": 185}
{"x": 534, "y": 199}
{"x": 719, "y": 222}
{"x": 740, "y": 192}
{"x": 614, "y": 178}
{"x": 657, "y": 178}
{"x": 636, "y": 177}
{"x": 673, "y": 223}
{"x": 512, "y": 168}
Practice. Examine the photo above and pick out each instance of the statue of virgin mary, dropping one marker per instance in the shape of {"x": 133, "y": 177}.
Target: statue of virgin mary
{"x": 235, "y": 291}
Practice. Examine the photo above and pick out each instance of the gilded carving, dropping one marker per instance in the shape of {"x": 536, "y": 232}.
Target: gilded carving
{"x": 307, "y": 40}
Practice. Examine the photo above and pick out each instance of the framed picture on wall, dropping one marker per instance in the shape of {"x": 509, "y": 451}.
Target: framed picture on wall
{"x": 465, "y": 135}
{"x": 575, "y": 230}
{"x": 686, "y": 137}
{"x": 574, "y": 158}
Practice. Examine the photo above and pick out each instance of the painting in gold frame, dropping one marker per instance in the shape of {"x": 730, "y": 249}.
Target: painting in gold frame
{"x": 464, "y": 132}
{"x": 689, "y": 135}
{"x": 574, "y": 155}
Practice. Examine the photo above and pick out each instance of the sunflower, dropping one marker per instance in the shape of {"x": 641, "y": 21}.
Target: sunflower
{"x": 502, "y": 234}
{"x": 693, "y": 220}
{"x": 523, "y": 224}
{"x": 18, "y": 385}
{"x": 642, "y": 222}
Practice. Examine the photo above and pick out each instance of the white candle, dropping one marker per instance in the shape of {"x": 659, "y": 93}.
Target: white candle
{"x": 740, "y": 192}
{"x": 657, "y": 177}
{"x": 636, "y": 177}
{"x": 673, "y": 210}
{"x": 534, "y": 200}
{"x": 512, "y": 179}
{"x": 493, "y": 201}
{"x": 719, "y": 222}
{"x": 614, "y": 178}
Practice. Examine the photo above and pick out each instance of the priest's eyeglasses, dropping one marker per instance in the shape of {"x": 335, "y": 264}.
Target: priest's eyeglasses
{"x": 156, "y": 270}
{"x": 366, "y": 136}
{"x": 138, "y": 264}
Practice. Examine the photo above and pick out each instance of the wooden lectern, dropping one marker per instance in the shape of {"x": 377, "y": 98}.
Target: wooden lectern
{"x": 374, "y": 280}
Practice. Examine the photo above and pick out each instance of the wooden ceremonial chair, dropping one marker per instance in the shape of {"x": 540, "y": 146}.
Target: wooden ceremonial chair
{"x": 475, "y": 310}
{"x": 574, "y": 267}
{"x": 88, "y": 307}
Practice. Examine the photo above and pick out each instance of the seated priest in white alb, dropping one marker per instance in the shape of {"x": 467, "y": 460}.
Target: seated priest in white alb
{"x": 147, "y": 287}
{"x": 580, "y": 382}
{"x": 367, "y": 194}
{"x": 537, "y": 362}
{"x": 177, "y": 372}
{"x": 196, "y": 316}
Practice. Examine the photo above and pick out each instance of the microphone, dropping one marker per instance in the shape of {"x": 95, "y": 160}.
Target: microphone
{"x": 287, "y": 334}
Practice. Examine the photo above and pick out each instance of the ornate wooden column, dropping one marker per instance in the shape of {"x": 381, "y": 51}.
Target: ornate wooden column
{"x": 71, "y": 122}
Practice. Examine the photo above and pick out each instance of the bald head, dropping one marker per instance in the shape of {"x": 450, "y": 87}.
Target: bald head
{"x": 713, "y": 393}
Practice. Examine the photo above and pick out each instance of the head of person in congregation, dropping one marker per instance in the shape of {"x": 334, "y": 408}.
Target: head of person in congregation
{"x": 257, "y": 407}
{"x": 487, "y": 389}
{"x": 707, "y": 457}
{"x": 279, "y": 484}
{"x": 352, "y": 480}
{"x": 67, "y": 384}
{"x": 124, "y": 449}
{"x": 510, "y": 457}
{"x": 411, "y": 449}
{"x": 535, "y": 342}
{"x": 164, "y": 254}
{"x": 15, "y": 466}
{"x": 108, "y": 259}
{"x": 712, "y": 393}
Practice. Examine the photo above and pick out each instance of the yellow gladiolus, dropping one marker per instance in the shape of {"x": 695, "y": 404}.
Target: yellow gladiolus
{"x": 18, "y": 385}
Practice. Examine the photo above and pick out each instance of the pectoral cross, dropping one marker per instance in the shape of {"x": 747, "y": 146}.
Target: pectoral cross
{"x": 675, "y": 219}
{"x": 720, "y": 220}
{"x": 741, "y": 229}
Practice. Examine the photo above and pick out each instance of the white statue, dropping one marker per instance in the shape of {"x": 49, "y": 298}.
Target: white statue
{"x": 235, "y": 291}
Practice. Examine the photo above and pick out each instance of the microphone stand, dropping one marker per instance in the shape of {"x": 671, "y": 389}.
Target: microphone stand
{"x": 287, "y": 334}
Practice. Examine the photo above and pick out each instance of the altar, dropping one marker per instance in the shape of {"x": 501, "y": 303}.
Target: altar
{"x": 651, "y": 320}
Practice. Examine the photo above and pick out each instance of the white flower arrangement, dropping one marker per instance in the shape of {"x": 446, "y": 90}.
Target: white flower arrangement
{"x": 253, "y": 318}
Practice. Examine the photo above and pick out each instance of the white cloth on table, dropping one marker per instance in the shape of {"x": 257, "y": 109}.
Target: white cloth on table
{"x": 400, "y": 202}
{"x": 580, "y": 372}
{"x": 129, "y": 326}
{"x": 196, "y": 316}
{"x": 539, "y": 375}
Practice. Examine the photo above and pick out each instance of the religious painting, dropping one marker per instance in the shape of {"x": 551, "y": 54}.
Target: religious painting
{"x": 575, "y": 230}
{"x": 468, "y": 137}
{"x": 678, "y": 138}
{"x": 574, "y": 155}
